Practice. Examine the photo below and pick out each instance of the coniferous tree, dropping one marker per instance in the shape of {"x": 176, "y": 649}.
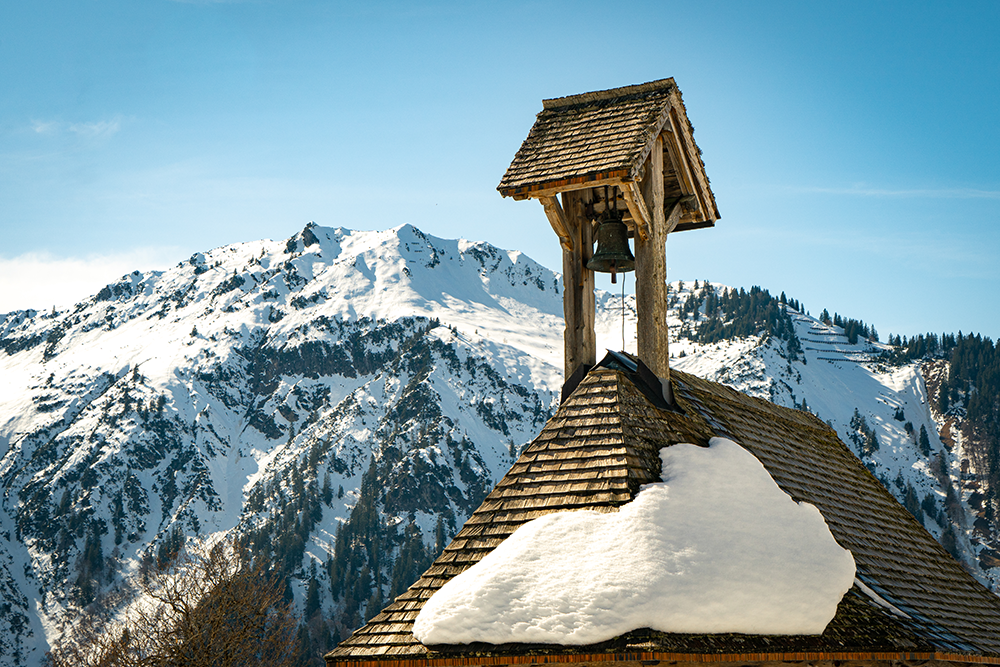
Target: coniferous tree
{"x": 929, "y": 506}
{"x": 912, "y": 503}
{"x": 327, "y": 491}
{"x": 733, "y": 313}
{"x": 312, "y": 596}
{"x": 950, "y": 542}
{"x": 924, "y": 442}
{"x": 943, "y": 403}
{"x": 862, "y": 435}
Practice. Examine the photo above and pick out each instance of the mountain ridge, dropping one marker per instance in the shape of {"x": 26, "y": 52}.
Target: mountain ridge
{"x": 343, "y": 400}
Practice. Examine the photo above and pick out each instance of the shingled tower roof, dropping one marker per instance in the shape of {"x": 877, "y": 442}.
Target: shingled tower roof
{"x": 604, "y": 137}
{"x": 913, "y": 602}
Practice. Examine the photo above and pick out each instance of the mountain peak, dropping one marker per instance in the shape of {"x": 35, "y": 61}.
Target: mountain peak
{"x": 253, "y": 388}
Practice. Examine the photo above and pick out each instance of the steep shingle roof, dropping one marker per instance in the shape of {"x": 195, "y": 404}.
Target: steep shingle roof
{"x": 584, "y": 139}
{"x": 602, "y": 445}
{"x": 586, "y": 135}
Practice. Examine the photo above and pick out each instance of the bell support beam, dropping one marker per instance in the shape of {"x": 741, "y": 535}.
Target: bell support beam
{"x": 554, "y": 212}
{"x": 580, "y": 339}
{"x": 651, "y": 274}
{"x": 638, "y": 209}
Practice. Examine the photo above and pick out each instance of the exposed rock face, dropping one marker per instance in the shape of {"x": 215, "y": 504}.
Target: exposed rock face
{"x": 344, "y": 400}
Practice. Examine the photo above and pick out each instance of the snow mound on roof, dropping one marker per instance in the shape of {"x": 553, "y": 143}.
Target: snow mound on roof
{"x": 716, "y": 547}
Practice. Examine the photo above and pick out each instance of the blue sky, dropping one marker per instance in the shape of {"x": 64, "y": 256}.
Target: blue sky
{"x": 852, "y": 146}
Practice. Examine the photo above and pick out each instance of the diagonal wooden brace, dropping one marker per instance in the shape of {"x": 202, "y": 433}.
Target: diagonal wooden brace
{"x": 554, "y": 212}
{"x": 637, "y": 207}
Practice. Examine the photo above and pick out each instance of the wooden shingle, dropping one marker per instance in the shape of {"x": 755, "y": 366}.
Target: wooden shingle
{"x": 948, "y": 615}
{"x": 604, "y": 137}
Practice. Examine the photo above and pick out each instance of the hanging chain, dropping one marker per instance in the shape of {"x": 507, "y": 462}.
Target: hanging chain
{"x": 623, "y": 311}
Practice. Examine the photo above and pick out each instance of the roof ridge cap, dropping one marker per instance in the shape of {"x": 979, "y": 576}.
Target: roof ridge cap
{"x": 792, "y": 416}
{"x": 664, "y": 85}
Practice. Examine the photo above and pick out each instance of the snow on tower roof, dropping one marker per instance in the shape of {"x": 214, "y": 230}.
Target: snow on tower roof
{"x": 602, "y": 445}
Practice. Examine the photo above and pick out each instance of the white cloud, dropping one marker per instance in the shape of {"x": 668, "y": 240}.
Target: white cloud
{"x": 45, "y": 126}
{"x": 41, "y": 280}
{"x": 91, "y": 130}
{"x": 98, "y": 129}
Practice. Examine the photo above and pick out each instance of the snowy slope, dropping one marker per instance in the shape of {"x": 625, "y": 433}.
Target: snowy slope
{"x": 832, "y": 378}
{"x": 197, "y": 398}
{"x": 372, "y": 385}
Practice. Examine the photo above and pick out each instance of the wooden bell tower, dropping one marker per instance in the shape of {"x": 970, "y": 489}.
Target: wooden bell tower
{"x": 638, "y": 142}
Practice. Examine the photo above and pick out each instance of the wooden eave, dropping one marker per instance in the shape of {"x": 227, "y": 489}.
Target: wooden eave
{"x": 555, "y": 156}
{"x": 652, "y": 658}
{"x": 558, "y": 186}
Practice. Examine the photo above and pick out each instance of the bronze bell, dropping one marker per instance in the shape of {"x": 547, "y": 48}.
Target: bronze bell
{"x": 612, "y": 254}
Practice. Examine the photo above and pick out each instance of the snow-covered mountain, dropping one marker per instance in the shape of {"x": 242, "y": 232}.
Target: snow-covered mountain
{"x": 343, "y": 400}
{"x": 881, "y": 409}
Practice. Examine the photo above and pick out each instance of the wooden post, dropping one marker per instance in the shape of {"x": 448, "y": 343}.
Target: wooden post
{"x": 580, "y": 339}
{"x": 651, "y": 275}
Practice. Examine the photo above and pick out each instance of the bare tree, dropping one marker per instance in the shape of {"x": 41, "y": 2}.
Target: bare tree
{"x": 210, "y": 609}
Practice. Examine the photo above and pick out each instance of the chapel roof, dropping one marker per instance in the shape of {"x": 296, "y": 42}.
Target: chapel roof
{"x": 605, "y": 137}
{"x": 602, "y": 445}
